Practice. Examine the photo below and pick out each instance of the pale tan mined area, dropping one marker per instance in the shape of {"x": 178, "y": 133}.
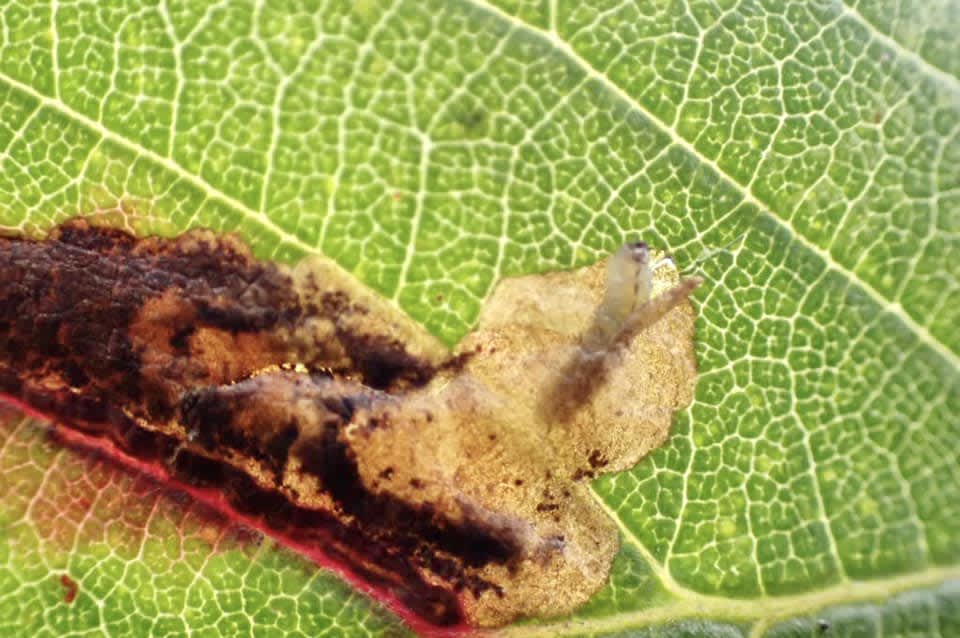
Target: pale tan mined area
{"x": 498, "y": 449}
{"x": 366, "y": 313}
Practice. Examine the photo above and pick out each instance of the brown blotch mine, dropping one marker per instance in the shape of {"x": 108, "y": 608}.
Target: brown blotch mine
{"x": 455, "y": 479}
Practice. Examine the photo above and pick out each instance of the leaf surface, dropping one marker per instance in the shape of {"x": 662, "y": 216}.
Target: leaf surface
{"x": 433, "y": 148}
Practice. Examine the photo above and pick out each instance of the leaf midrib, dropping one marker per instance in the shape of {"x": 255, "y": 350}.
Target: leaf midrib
{"x": 893, "y": 307}
{"x": 764, "y": 612}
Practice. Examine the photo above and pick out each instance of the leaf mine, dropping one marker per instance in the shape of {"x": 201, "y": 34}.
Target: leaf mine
{"x": 454, "y": 480}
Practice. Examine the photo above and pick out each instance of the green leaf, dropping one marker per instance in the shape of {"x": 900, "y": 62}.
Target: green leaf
{"x": 433, "y": 148}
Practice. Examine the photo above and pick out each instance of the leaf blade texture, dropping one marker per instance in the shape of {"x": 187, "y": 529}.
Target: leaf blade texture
{"x": 435, "y": 148}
